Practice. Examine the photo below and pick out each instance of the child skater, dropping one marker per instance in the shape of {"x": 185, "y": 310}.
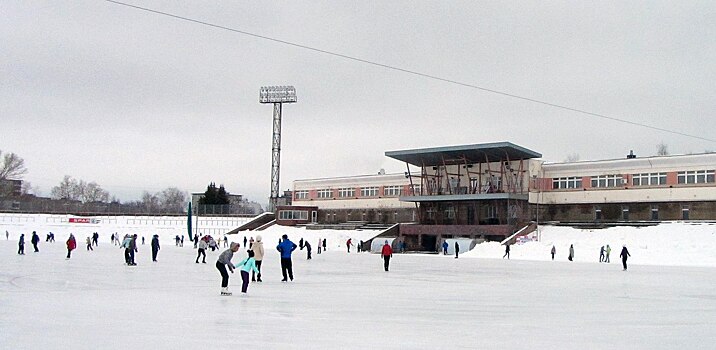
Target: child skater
{"x": 247, "y": 265}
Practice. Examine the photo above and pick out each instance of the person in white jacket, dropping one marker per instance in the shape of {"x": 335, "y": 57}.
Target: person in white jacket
{"x": 258, "y": 249}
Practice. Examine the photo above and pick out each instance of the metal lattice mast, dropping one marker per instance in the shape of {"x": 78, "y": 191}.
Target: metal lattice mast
{"x": 278, "y": 95}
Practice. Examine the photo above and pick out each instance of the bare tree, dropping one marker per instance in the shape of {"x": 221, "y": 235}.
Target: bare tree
{"x": 67, "y": 189}
{"x": 172, "y": 200}
{"x": 662, "y": 149}
{"x": 12, "y": 167}
{"x": 92, "y": 192}
{"x": 28, "y": 188}
{"x": 150, "y": 202}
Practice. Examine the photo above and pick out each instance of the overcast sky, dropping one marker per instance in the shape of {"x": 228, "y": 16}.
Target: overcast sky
{"x": 137, "y": 101}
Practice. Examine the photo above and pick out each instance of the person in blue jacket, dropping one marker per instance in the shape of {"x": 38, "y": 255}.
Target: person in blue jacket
{"x": 445, "y": 247}
{"x": 247, "y": 265}
{"x": 286, "y": 247}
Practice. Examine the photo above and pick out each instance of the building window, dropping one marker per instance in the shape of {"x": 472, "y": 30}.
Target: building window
{"x": 392, "y": 191}
{"x": 597, "y": 213}
{"x": 654, "y": 212}
{"x": 431, "y": 213}
{"x": 369, "y": 192}
{"x": 301, "y": 194}
{"x": 685, "y": 212}
{"x": 346, "y": 192}
{"x": 325, "y": 193}
{"x": 566, "y": 182}
{"x": 695, "y": 177}
{"x": 293, "y": 215}
{"x": 650, "y": 179}
{"x": 625, "y": 213}
{"x": 491, "y": 212}
{"x": 450, "y": 212}
{"x": 605, "y": 181}
{"x": 417, "y": 190}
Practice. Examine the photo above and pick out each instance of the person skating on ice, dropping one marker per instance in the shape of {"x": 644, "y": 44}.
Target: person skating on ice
{"x": 609, "y": 251}
{"x": 258, "y": 249}
{"x": 601, "y": 254}
{"x": 571, "y": 252}
{"x": 222, "y": 263}
{"x": 35, "y": 240}
{"x": 202, "y": 251}
{"x": 308, "y": 250}
{"x": 507, "y": 251}
{"x": 457, "y": 249}
{"x": 89, "y": 243}
{"x": 348, "y": 245}
{"x": 132, "y": 249}
{"x": 155, "y": 247}
{"x": 21, "y": 244}
{"x": 246, "y": 265}
{"x": 71, "y": 245}
{"x": 553, "y": 251}
{"x": 319, "y": 245}
{"x": 386, "y": 253}
{"x": 286, "y": 247}
{"x": 624, "y": 254}
{"x": 445, "y": 247}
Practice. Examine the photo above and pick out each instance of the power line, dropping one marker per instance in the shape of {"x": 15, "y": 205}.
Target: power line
{"x": 434, "y": 77}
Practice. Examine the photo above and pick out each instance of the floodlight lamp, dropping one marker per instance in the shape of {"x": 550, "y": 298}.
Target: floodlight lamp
{"x": 277, "y": 94}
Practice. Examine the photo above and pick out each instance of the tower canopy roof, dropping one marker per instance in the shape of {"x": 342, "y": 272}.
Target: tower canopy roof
{"x": 465, "y": 154}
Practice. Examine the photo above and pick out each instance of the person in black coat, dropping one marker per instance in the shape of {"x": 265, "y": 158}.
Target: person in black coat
{"x": 155, "y": 247}
{"x": 34, "y": 240}
{"x": 457, "y": 249}
{"x": 308, "y": 250}
{"x": 624, "y": 254}
{"x": 21, "y": 245}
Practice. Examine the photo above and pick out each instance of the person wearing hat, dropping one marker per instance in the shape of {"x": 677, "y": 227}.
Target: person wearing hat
{"x": 221, "y": 264}
{"x": 386, "y": 253}
{"x": 258, "y": 249}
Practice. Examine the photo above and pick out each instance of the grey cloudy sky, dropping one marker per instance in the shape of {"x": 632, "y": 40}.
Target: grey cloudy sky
{"x": 136, "y": 101}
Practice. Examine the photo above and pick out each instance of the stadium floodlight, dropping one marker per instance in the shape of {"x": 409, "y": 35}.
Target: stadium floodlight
{"x": 278, "y": 95}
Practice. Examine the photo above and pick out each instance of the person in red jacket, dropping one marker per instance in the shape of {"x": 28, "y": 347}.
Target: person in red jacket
{"x": 386, "y": 253}
{"x": 71, "y": 245}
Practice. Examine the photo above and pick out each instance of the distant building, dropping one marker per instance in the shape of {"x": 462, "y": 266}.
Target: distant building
{"x": 489, "y": 191}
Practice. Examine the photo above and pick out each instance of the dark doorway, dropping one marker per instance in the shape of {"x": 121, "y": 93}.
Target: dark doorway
{"x": 429, "y": 242}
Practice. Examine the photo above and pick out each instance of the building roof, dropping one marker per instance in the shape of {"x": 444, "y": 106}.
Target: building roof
{"x": 470, "y": 154}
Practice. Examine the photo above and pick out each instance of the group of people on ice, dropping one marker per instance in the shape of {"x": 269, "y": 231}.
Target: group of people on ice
{"x": 604, "y": 253}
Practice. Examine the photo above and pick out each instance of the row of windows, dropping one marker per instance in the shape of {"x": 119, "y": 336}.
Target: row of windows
{"x": 654, "y": 213}
{"x": 642, "y": 179}
{"x": 293, "y": 214}
{"x": 349, "y": 192}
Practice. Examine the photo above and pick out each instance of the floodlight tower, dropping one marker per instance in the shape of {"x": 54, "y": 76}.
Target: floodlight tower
{"x": 278, "y": 95}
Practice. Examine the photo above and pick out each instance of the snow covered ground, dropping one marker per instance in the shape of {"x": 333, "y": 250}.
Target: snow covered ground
{"x": 341, "y": 300}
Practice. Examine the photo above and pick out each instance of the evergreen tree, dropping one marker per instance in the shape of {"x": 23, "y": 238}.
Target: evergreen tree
{"x": 214, "y": 196}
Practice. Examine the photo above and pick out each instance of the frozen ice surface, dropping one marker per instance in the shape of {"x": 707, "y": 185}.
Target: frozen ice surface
{"x": 340, "y": 300}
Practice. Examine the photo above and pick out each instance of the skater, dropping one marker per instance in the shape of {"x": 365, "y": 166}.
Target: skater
{"x": 609, "y": 251}
{"x": 132, "y": 249}
{"x": 348, "y": 245}
{"x": 89, "y": 243}
{"x": 71, "y": 245}
{"x": 202, "y": 251}
{"x": 386, "y": 253}
{"x": 601, "y": 254}
{"x": 308, "y": 250}
{"x": 196, "y": 240}
{"x": 244, "y": 241}
{"x": 360, "y": 246}
{"x": 251, "y": 242}
{"x": 324, "y": 245}
{"x": 181, "y": 243}
{"x": 300, "y": 244}
{"x": 176, "y": 240}
{"x": 52, "y": 237}
{"x": 507, "y": 251}
{"x": 571, "y": 252}
{"x": 554, "y": 250}
{"x": 258, "y": 249}
{"x": 7, "y": 235}
{"x": 624, "y": 254}
{"x": 21, "y": 245}
{"x": 155, "y": 247}
{"x": 319, "y": 246}
{"x": 47, "y": 238}
{"x": 226, "y": 242}
{"x": 246, "y": 265}
{"x": 445, "y": 247}
{"x": 142, "y": 240}
{"x": 457, "y": 249}
{"x": 223, "y": 262}
{"x": 34, "y": 240}
{"x": 95, "y": 239}
{"x": 286, "y": 248}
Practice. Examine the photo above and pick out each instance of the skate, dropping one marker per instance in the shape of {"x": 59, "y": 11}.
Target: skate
{"x": 225, "y": 291}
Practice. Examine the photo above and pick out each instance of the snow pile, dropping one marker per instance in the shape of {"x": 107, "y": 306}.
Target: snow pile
{"x": 670, "y": 243}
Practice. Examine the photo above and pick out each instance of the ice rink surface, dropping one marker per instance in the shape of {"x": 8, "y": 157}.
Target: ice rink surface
{"x": 340, "y": 300}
